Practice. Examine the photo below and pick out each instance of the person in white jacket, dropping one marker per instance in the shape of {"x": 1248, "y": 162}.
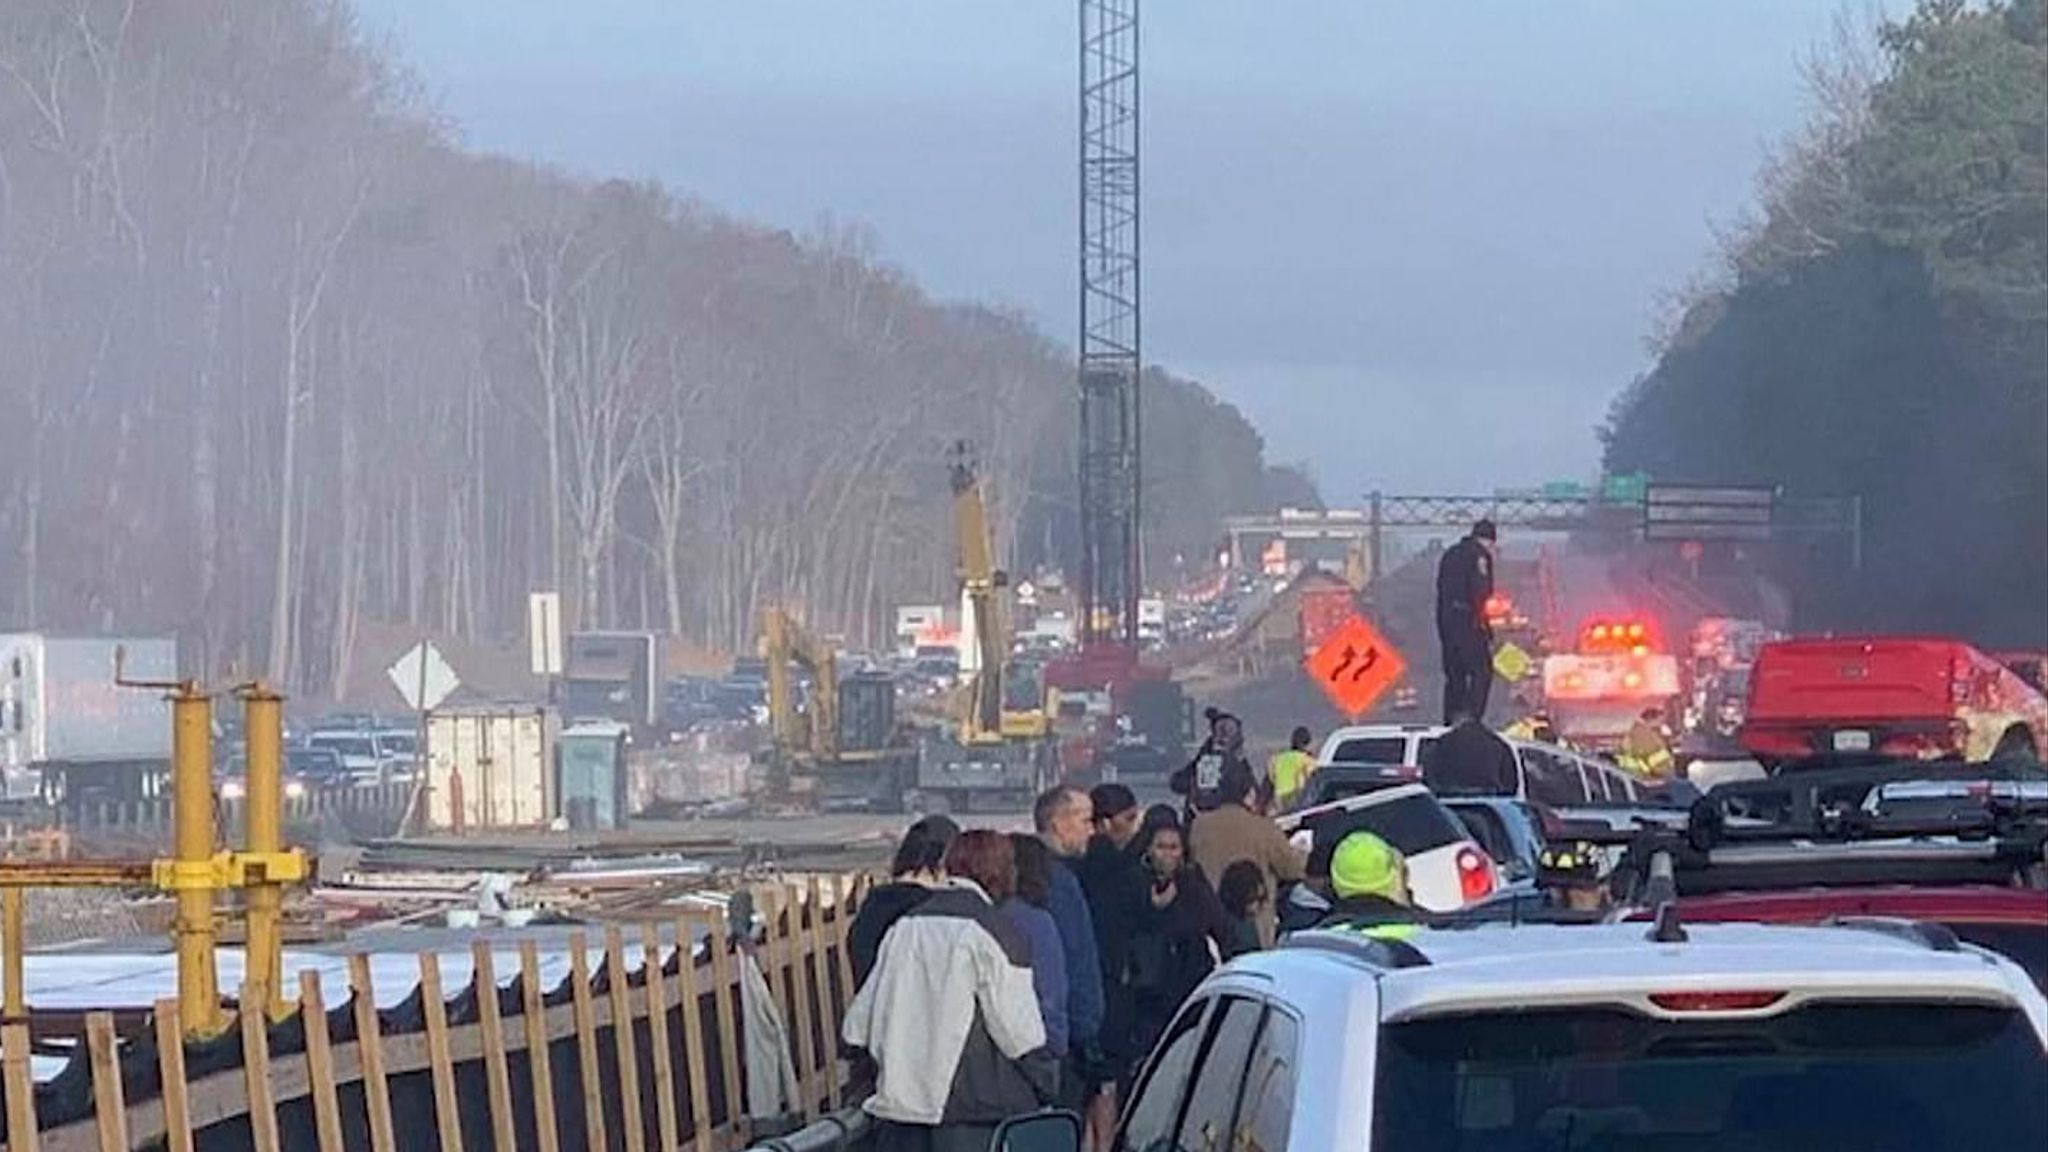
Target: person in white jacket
{"x": 949, "y": 1015}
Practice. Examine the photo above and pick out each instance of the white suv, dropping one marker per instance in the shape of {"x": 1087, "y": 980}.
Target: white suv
{"x": 1876, "y": 1036}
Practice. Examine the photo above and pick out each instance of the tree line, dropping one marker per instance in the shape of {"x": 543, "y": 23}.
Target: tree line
{"x": 1878, "y": 326}
{"x": 283, "y": 360}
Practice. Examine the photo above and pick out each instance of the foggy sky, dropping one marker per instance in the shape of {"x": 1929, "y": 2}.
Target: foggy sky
{"x": 1359, "y": 214}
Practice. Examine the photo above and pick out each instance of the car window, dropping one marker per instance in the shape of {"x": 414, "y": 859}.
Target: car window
{"x": 1621, "y": 787}
{"x": 2024, "y": 944}
{"x": 1371, "y": 750}
{"x": 1553, "y": 780}
{"x": 1268, "y": 1107}
{"x": 1487, "y": 827}
{"x": 1842, "y": 1075}
{"x": 1412, "y": 824}
{"x": 1211, "y": 1112}
{"x": 1149, "y": 1122}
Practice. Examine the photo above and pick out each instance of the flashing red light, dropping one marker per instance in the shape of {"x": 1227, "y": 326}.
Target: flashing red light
{"x": 1640, "y": 650}
{"x": 1715, "y": 1001}
{"x": 1632, "y": 680}
{"x": 1475, "y": 875}
{"x": 1635, "y": 631}
{"x": 1599, "y": 631}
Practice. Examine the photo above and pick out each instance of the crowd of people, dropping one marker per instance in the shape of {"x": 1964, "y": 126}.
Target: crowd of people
{"x": 998, "y": 973}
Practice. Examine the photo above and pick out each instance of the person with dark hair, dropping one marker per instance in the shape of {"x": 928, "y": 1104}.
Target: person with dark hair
{"x": 1464, "y": 583}
{"x": 949, "y": 1016}
{"x": 1114, "y": 880}
{"x": 1170, "y": 948}
{"x": 1198, "y": 780}
{"x": 1242, "y": 892}
{"x": 1235, "y": 832}
{"x": 919, "y": 867}
{"x": 1028, "y": 910}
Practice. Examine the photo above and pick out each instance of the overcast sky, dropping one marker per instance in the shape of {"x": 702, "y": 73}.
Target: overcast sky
{"x": 1361, "y": 216}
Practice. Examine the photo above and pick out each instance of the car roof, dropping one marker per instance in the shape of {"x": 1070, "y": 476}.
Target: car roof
{"x": 1506, "y": 967}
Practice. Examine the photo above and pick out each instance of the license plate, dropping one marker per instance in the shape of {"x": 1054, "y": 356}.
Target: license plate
{"x": 1852, "y": 741}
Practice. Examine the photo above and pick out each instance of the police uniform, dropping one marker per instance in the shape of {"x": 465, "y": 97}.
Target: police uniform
{"x": 1464, "y": 583}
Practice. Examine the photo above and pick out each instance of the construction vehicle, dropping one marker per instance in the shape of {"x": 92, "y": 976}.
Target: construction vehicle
{"x": 1000, "y": 751}
{"x": 843, "y": 748}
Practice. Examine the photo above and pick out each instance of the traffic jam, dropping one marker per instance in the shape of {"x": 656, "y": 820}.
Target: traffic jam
{"x": 1748, "y": 891}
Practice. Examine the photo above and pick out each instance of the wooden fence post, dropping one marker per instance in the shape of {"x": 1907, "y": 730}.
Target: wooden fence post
{"x": 21, "y": 1089}
{"x": 694, "y": 1051}
{"x": 370, "y": 1043}
{"x": 440, "y": 1057}
{"x": 263, "y": 1135}
{"x": 497, "y": 1070}
{"x": 586, "y": 1043}
{"x": 821, "y": 976}
{"x": 658, "y": 1039}
{"x": 170, "y": 1066}
{"x": 320, "y": 1062}
{"x": 110, "y": 1109}
{"x": 622, "y": 1039}
{"x": 538, "y": 1059}
{"x": 725, "y": 985}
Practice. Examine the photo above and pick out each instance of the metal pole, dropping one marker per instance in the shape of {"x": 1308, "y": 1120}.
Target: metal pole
{"x": 1372, "y": 577}
{"x": 14, "y": 924}
{"x": 263, "y": 715}
{"x": 192, "y": 837}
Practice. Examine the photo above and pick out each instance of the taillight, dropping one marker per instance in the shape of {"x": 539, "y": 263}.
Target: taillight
{"x": 1715, "y": 1001}
{"x": 1475, "y": 874}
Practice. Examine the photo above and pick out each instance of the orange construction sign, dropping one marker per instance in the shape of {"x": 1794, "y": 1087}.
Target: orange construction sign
{"x": 1355, "y": 666}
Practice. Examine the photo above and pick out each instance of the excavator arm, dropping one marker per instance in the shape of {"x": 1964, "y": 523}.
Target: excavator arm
{"x": 783, "y": 642}
{"x": 980, "y": 580}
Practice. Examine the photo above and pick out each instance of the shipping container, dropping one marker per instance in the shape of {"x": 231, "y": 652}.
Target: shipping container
{"x": 496, "y": 761}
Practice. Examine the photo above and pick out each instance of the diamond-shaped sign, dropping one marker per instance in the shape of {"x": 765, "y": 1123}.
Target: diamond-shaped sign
{"x": 1511, "y": 663}
{"x": 1355, "y": 666}
{"x": 423, "y": 668}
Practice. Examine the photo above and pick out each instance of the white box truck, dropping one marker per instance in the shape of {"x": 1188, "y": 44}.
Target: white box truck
{"x": 67, "y": 733}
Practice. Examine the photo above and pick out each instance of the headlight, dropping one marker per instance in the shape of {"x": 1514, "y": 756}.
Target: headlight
{"x": 231, "y": 790}
{"x": 294, "y": 789}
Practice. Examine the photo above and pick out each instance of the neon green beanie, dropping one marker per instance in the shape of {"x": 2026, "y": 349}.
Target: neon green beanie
{"x": 1365, "y": 865}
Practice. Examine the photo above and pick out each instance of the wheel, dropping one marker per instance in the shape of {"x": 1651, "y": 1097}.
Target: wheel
{"x": 2016, "y": 744}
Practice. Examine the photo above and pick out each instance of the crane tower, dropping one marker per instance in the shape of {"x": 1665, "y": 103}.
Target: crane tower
{"x": 1111, "y": 568}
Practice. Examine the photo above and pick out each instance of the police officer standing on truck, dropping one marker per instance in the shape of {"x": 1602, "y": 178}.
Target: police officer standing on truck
{"x": 1464, "y": 583}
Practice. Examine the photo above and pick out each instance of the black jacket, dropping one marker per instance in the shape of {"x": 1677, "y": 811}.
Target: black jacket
{"x": 1186, "y": 781}
{"x": 1120, "y": 905}
{"x": 1470, "y": 760}
{"x": 883, "y": 907}
{"x": 1365, "y": 912}
{"x": 1464, "y": 583}
{"x": 1170, "y": 958}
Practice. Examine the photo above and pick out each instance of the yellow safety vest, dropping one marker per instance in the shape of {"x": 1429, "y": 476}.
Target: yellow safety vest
{"x": 1289, "y": 772}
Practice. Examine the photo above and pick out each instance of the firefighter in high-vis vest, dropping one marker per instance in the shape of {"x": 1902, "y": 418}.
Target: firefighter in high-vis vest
{"x": 1646, "y": 750}
{"x": 1535, "y": 727}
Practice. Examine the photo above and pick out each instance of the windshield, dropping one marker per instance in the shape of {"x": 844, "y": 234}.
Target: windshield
{"x": 1411, "y": 824}
{"x": 1371, "y": 750}
{"x": 1853, "y": 1078}
{"x": 354, "y": 747}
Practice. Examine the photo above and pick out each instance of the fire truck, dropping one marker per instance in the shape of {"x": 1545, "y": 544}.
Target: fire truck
{"x": 1618, "y": 669}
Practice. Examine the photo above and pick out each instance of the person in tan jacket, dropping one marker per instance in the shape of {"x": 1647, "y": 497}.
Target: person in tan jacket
{"x": 1237, "y": 831}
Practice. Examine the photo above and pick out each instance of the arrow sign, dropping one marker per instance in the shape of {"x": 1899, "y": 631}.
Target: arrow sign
{"x": 439, "y": 679}
{"x": 1355, "y": 666}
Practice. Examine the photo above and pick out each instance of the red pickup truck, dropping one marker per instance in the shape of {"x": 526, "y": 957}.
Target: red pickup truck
{"x": 1895, "y": 695}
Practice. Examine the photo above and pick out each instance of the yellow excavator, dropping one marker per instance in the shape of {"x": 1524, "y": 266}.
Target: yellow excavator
{"x": 1000, "y": 752}
{"x": 842, "y": 750}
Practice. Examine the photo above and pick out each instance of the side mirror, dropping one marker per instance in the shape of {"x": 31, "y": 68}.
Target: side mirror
{"x": 1038, "y": 1132}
